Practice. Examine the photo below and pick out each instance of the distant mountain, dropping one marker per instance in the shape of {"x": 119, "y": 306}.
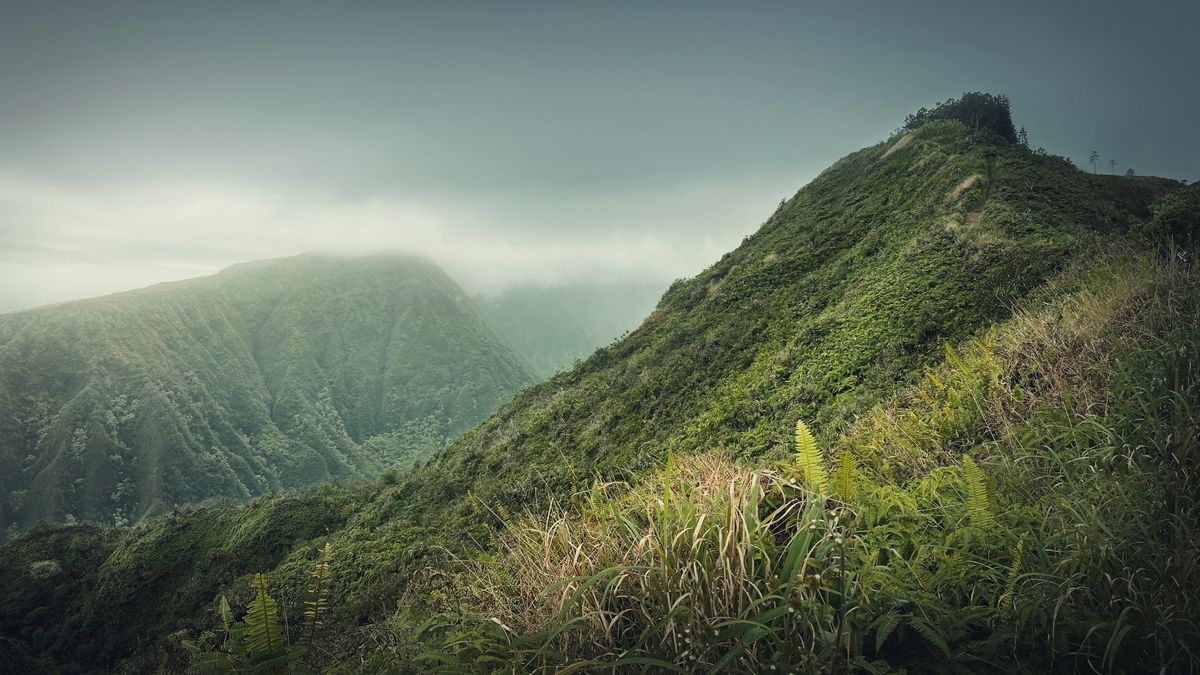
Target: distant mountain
{"x": 266, "y": 376}
{"x": 554, "y": 326}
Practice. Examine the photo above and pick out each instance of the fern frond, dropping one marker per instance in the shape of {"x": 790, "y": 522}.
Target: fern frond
{"x": 845, "y": 476}
{"x": 226, "y": 614}
{"x": 264, "y": 637}
{"x": 978, "y": 507}
{"x": 931, "y": 634}
{"x": 213, "y": 663}
{"x": 884, "y": 625}
{"x": 809, "y": 458}
{"x": 1014, "y": 572}
{"x": 318, "y": 593}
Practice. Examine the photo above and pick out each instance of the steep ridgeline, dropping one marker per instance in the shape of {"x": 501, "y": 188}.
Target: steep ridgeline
{"x": 848, "y": 291}
{"x": 555, "y": 326}
{"x": 850, "y": 287}
{"x": 266, "y": 376}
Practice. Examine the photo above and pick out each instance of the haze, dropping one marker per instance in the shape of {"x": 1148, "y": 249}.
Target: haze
{"x": 515, "y": 143}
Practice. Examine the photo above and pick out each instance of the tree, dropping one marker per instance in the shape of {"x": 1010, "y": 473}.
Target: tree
{"x": 975, "y": 109}
{"x": 1023, "y": 137}
{"x": 1112, "y": 166}
{"x": 1092, "y": 159}
{"x": 1129, "y": 171}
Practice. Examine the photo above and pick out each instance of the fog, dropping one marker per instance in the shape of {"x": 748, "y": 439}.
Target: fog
{"x": 517, "y": 143}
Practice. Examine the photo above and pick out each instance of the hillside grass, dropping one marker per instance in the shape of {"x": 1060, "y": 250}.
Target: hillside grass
{"x": 1044, "y": 519}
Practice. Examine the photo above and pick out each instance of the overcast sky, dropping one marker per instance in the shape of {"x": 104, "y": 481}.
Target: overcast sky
{"x": 516, "y": 142}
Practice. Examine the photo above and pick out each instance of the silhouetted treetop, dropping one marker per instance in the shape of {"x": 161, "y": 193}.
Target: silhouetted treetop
{"x": 977, "y": 110}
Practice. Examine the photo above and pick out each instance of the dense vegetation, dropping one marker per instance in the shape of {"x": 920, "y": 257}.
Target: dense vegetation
{"x": 552, "y": 533}
{"x": 1033, "y": 498}
{"x": 977, "y": 110}
{"x": 264, "y": 377}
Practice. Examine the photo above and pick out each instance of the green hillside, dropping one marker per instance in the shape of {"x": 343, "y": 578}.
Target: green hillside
{"x": 944, "y": 292}
{"x": 266, "y": 376}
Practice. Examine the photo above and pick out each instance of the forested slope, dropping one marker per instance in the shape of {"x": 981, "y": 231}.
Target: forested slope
{"x": 266, "y": 376}
{"x": 833, "y": 308}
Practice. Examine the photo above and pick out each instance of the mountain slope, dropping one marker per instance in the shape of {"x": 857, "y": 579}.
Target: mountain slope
{"x": 264, "y": 377}
{"x": 843, "y": 296}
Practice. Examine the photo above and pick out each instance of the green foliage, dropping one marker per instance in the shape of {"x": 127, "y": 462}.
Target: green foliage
{"x": 1068, "y": 576}
{"x": 264, "y": 635}
{"x": 976, "y": 110}
{"x": 809, "y": 459}
{"x": 978, "y": 509}
{"x": 845, "y": 481}
{"x": 1176, "y": 219}
{"x": 254, "y": 645}
{"x": 264, "y": 377}
{"x": 317, "y": 604}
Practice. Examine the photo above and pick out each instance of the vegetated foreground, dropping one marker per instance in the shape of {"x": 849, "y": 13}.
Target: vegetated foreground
{"x": 997, "y": 354}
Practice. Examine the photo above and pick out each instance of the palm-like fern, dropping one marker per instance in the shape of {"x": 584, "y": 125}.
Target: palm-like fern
{"x": 978, "y": 508}
{"x": 264, "y": 636}
{"x": 845, "y": 476}
{"x": 254, "y": 645}
{"x": 1014, "y": 573}
{"x": 318, "y": 595}
{"x": 809, "y": 458}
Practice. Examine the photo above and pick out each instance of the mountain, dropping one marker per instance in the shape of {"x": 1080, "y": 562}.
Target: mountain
{"x": 554, "y": 326}
{"x": 941, "y": 294}
{"x": 266, "y": 376}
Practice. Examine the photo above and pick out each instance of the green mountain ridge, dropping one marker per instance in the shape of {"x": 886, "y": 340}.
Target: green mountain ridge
{"x": 266, "y": 376}
{"x": 839, "y": 303}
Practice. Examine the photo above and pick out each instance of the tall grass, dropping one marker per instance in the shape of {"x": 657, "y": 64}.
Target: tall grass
{"x": 714, "y": 566}
{"x": 1065, "y": 538}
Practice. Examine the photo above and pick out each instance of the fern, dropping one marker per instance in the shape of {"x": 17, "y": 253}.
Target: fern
{"x": 931, "y": 634}
{"x": 264, "y": 637}
{"x": 318, "y": 595}
{"x": 1014, "y": 572}
{"x": 253, "y": 645}
{"x": 977, "y": 497}
{"x": 884, "y": 625}
{"x": 226, "y": 614}
{"x": 214, "y": 663}
{"x": 809, "y": 458}
{"x": 845, "y": 476}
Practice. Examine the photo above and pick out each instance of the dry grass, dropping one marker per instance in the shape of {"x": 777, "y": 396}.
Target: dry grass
{"x": 973, "y": 233}
{"x": 966, "y": 184}
{"x": 898, "y": 145}
{"x": 675, "y": 556}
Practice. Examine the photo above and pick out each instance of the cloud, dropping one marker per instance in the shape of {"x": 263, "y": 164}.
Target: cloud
{"x": 60, "y": 241}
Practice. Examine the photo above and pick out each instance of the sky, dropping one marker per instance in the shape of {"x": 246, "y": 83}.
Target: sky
{"x": 516, "y": 142}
